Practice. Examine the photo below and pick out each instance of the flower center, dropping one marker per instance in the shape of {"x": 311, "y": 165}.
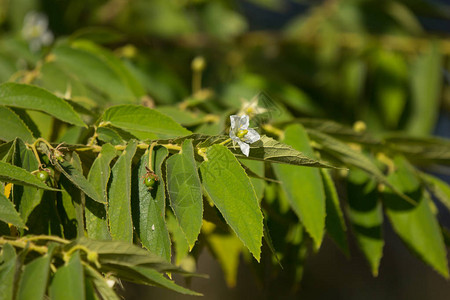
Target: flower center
{"x": 241, "y": 133}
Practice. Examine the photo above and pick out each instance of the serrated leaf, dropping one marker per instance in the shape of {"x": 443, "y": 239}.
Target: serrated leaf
{"x": 8, "y": 213}
{"x": 119, "y": 202}
{"x": 270, "y": 150}
{"x": 303, "y": 186}
{"x": 7, "y": 271}
{"x": 33, "y": 282}
{"x": 366, "y": 216}
{"x": 124, "y": 254}
{"x": 334, "y": 221}
{"x": 185, "y": 192}
{"x": 416, "y": 225}
{"x": 150, "y": 206}
{"x": 35, "y": 98}
{"x": 68, "y": 281}
{"x": 16, "y": 175}
{"x": 77, "y": 178}
{"x": 109, "y": 135}
{"x": 231, "y": 191}
{"x": 12, "y": 126}
{"x": 143, "y": 122}
{"x": 95, "y": 213}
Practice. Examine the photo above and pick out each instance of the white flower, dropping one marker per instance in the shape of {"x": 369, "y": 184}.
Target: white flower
{"x": 35, "y": 30}
{"x": 241, "y": 134}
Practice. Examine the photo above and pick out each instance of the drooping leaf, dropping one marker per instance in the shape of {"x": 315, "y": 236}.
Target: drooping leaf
{"x": 119, "y": 202}
{"x": 185, "y": 192}
{"x": 334, "y": 221}
{"x": 33, "y": 282}
{"x": 231, "y": 191}
{"x": 143, "y": 122}
{"x": 12, "y": 126}
{"x": 16, "y": 175}
{"x": 8, "y": 213}
{"x": 35, "y": 98}
{"x": 416, "y": 225}
{"x": 150, "y": 206}
{"x": 7, "y": 271}
{"x": 303, "y": 186}
{"x": 95, "y": 213}
{"x": 68, "y": 281}
{"x": 77, "y": 178}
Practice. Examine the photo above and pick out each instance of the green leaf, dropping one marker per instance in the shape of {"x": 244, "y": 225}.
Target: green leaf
{"x": 143, "y": 122}
{"x": 270, "y": 150}
{"x": 231, "y": 191}
{"x": 109, "y": 135}
{"x": 352, "y": 158}
{"x": 33, "y": 282}
{"x": 426, "y": 83}
{"x": 185, "y": 192}
{"x": 26, "y": 197}
{"x": 100, "y": 283}
{"x": 77, "y": 178}
{"x": 35, "y": 98}
{"x": 8, "y": 213}
{"x": 366, "y": 216}
{"x": 119, "y": 205}
{"x": 439, "y": 188}
{"x": 152, "y": 277}
{"x": 150, "y": 206}
{"x": 95, "y": 213}
{"x": 16, "y": 175}
{"x": 13, "y": 126}
{"x": 7, "y": 271}
{"x": 303, "y": 186}
{"x": 123, "y": 254}
{"x": 68, "y": 281}
{"x": 334, "y": 221}
{"x": 416, "y": 225}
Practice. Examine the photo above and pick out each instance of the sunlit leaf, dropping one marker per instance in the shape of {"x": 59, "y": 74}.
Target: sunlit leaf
{"x": 238, "y": 205}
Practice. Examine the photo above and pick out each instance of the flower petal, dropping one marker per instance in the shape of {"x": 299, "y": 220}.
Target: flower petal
{"x": 252, "y": 136}
{"x": 234, "y": 137}
{"x": 235, "y": 122}
{"x": 245, "y": 148}
{"x": 244, "y": 122}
